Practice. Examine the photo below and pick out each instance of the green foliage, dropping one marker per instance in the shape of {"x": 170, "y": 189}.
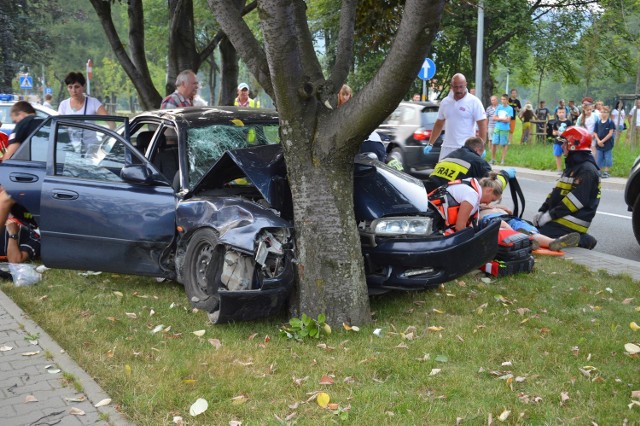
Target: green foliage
{"x": 306, "y": 327}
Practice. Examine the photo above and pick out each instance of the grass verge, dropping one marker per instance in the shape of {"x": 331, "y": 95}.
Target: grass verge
{"x": 471, "y": 350}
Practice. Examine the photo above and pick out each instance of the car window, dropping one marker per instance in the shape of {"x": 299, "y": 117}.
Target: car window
{"x": 41, "y": 114}
{"x": 88, "y": 154}
{"x": 36, "y": 147}
{"x": 408, "y": 116}
{"x": 205, "y": 145}
{"x": 5, "y": 117}
{"x": 429, "y": 116}
{"x": 394, "y": 118}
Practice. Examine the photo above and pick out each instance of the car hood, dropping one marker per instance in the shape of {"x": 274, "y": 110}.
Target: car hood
{"x": 378, "y": 190}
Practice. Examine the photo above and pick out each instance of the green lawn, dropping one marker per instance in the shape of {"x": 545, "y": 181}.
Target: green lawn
{"x": 540, "y": 156}
{"x": 470, "y": 350}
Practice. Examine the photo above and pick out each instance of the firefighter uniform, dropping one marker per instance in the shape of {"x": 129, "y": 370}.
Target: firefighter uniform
{"x": 461, "y": 163}
{"x": 573, "y": 202}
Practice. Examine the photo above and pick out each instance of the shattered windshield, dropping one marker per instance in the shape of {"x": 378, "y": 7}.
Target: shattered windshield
{"x": 207, "y": 144}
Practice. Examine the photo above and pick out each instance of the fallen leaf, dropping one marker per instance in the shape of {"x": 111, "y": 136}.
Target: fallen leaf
{"x": 127, "y": 370}
{"x": 53, "y": 370}
{"x": 178, "y": 420}
{"x": 103, "y": 402}
{"x": 199, "y": 333}
{"x": 5, "y": 348}
{"x": 629, "y": 347}
{"x": 564, "y": 397}
{"x": 523, "y": 311}
{"x": 507, "y": 364}
{"x": 112, "y": 319}
{"x": 30, "y": 353}
{"x": 215, "y": 343}
{"x": 323, "y": 399}
{"x": 76, "y": 412}
{"x": 435, "y": 328}
{"x": 198, "y": 407}
{"x": 545, "y": 330}
{"x": 500, "y": 298}
{"x": 349, "y": 380}
{"x": 627, "y": 301}
{"x": 253, "y": 336}
{"x": 326, "y": 380}
{"x": 437, "y": 311}
{"x": 30, "y": 398}
{"x": 435, "y": 371}
{"x": 442, "y": 358}
{"x": 80, "y": 398}
{"x": 118, "y": 294}
{"x": 609, "y": 289}
{"x": 131, "y": 315}
{"x": 235, "y": 423}
{"x": 157, "y": 328}
{"x": 504, "y": 415}
{"x": 635, "y": 394}
{"x": 377, "y": 332}
{"x": 486, "y": 280}
{"x": 189, "y": 381}
{"x": 402, "y": 346}
{"x": 239, "y": 400}
{"x": 634, "y": 326}
{"x": 151, "y": 312}
{"x": 633, "y": 404}
{"x": 267, "y": 339}
{"x": 299, "y": 382}
{"x": 520, "y": 379}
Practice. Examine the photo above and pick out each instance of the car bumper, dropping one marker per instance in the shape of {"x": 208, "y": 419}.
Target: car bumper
{"x": 250, "y": 305}
{"x": 396, "y": 264}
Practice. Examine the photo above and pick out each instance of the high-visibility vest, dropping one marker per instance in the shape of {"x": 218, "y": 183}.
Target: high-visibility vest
{"x": 447, "y": 206}
{"x": 253, "y": 103}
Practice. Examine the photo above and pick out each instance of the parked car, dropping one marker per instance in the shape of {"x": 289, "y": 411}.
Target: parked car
{"x": 632, "y": 197}
{"x": 6, "y": 124}
{"x": 407, "y": 131}
{"x": 200, "y": 196}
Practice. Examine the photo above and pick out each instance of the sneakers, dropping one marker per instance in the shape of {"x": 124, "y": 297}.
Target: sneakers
{"x": 502, "y": 163}
{"x": 605, "y": 175}
{"x": 492, "y": 162}
{"x": 535, "y": 245}
{"x": 569, "y": 240}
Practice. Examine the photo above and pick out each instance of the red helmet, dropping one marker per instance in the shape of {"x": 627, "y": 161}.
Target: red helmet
{"x": 578, "y": 139}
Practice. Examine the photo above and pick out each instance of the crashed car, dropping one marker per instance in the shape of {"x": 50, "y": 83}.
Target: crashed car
{"x": 200, "y": 196}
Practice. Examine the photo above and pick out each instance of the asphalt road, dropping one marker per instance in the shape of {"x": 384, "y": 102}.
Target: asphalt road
{"x": 611, "y": 226}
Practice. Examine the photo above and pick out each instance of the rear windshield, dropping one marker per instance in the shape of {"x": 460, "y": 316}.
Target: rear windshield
{"x": 429, "y": 116}
{"x": 207, "y": 144}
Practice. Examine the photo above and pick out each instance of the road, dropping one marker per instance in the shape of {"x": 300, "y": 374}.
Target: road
{"x": 611, "y": 226}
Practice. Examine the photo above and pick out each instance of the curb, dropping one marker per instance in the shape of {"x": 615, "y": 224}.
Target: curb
{"x": 547, "y": 176}
{"x": 91, "y": 389}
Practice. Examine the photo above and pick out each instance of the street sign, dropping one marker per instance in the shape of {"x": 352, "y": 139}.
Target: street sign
{"x": 26, "y": 82}
{"x": 428, "y": 69}
{"x": 48, "y": 91}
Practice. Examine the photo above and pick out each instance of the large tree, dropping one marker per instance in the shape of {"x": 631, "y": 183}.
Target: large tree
{"x": 320, "y": 141}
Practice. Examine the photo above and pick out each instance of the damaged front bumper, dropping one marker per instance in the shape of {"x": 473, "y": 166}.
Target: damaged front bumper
{"x": 420, "y": 263}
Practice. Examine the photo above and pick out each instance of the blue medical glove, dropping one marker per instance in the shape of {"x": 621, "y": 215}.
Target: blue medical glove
{"x": 427, "y": 149}
{"x": 511, "y": 172}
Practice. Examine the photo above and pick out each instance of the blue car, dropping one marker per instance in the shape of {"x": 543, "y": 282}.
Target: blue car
{"x": 200, "y": 196}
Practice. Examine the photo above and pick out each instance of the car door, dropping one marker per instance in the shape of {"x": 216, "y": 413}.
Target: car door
{"x": 90, "y": 216}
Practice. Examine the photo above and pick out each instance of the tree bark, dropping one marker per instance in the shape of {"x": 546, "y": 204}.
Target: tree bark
{"x": 182, "y": 43}
{"x": 320, "y": 142}
{"x": 230, "y": 71}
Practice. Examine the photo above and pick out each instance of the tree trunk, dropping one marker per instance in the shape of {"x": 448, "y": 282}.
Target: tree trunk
{"x": 230, "y": 71}
{"x": 182, "y": 44}
{"x": 329, "y": 260}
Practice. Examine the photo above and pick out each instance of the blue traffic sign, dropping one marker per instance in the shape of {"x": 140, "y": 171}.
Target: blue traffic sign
{"x": 26, "y": 82}
{"x": 48, "y": 91}
{"x": 428, "y": 69}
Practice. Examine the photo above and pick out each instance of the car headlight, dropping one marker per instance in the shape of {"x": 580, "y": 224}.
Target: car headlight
{"x": 395, "y": 226}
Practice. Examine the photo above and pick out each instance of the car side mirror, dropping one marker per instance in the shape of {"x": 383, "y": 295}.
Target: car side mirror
{"x": 141, "y": 174}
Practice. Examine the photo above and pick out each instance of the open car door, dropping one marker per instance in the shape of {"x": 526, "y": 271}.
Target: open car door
{"x": 103, "y": 206}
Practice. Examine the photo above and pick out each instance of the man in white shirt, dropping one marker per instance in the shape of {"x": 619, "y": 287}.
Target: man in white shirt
{"x": 459, "y": 113}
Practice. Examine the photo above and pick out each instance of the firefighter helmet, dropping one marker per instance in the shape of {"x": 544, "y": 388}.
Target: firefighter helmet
{"x": 578, "y": 139}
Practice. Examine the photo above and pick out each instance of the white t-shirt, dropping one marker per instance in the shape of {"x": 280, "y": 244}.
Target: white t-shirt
{"x": 633, "y": 110}
{"x": 92, "y": 105}
{"x": 463, "y": 192}
{"x": 461, "y": 118}
{"x": 617, "y": 116}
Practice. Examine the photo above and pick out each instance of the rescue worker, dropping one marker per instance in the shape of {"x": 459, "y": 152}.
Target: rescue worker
{"x": 243, "y": 98}
{"x": 375, "y": 148}
{"x": 459, "y": 201}
{"x": 573, "y": 202}
{"x": 465, "y": 162}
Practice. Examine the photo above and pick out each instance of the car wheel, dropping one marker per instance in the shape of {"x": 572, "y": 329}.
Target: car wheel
{"x": 202, "y": 270}
{"x": 396, "y": 154}
{"x": 635, "y": 219}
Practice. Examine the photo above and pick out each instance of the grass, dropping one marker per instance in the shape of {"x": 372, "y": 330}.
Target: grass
{"x": 502, "y": 346}
{"x": 540, "y": 156}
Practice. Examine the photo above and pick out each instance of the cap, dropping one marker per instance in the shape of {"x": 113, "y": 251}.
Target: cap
{"x": 374, "y": 137}
{"x": 243, "y": 86}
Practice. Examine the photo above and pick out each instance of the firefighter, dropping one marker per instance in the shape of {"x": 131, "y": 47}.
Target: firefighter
{"x": 459, "y": 201}
{"x": 573, "y": 202}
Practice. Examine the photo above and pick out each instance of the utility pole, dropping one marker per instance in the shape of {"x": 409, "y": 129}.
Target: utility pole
{"x": 480, "y": 49}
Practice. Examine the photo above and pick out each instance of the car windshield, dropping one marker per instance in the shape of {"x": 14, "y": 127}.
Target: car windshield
{"x": 429, "y": 117}
{"x": 207, "y": 144}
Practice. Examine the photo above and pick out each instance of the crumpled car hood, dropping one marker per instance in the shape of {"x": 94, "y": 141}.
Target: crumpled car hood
{"x": 378, "y": 190}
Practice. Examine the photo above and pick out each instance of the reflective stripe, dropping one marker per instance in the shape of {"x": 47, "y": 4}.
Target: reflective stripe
{"x": 573, "y": 223}
{"x": 564, "y": 185}
{"x": 566, "y": 179}
{"x": 572, "y": 203}
{"x": 451, "y": 168}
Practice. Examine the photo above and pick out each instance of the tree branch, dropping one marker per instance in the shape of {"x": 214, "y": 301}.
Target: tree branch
{"x": 310, "y": 64}
{"x": 344, "y": 54}
{"x": 230, "y": 19}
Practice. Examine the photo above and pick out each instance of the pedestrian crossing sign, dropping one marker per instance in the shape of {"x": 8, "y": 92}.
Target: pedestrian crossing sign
{"x": 26, "y": 82}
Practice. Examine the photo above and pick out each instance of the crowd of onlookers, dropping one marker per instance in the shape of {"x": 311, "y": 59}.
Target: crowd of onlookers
{"x": 604, "y": 123}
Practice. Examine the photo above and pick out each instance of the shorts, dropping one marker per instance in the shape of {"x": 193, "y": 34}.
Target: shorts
{"x": 557, "y": 149}
{"x": 526, "y": 125}
{"x": 604, "y": 158}
{"x": 500, "y": 137}
{"x": 490, "y": 133}
{"x": 512, "y": 125}
{"x": 523, "y": 226}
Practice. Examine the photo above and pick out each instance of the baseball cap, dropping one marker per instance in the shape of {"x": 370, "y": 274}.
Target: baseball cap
{"x": 243, "y": 86}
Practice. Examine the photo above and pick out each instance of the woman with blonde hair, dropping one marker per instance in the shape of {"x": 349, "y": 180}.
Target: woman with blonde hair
{"x": 526, "y": 115}
{"x": 344, "y": 95}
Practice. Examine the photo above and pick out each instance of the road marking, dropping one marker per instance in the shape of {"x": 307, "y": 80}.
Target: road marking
{"x": 615, "y": 215}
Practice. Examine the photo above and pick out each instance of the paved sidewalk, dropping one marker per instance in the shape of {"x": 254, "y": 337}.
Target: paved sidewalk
{"x": 23, "y": 376}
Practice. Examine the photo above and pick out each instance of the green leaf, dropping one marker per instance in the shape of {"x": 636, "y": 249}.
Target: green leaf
{"x": 442, "y": 358}
{"x": 295, "y": 322}
{"x": 322, "y": 318}
{"x": 313, "y": 332}
{"x": 305, "y": 319}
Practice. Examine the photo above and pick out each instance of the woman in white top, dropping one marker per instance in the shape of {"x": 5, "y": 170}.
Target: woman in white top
{"x": 588, "y": 120}
{"x": 79, "y": 103}
{"x": 617, "y": 115}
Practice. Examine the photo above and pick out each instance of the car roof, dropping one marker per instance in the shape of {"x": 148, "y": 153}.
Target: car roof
{"x": 204, "y": 116}
{"x": 419, "y": 104}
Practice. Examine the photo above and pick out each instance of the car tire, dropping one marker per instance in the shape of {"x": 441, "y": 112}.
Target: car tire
{"x": 202, "y": 270}
{"x": 396, "y": 153}
{"x": 635, "y": 219}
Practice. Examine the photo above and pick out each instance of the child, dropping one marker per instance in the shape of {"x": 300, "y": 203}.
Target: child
{"x": 604, "y": 137}
{"x": 502, "y": 117}
{"x": 560, "y": 125}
